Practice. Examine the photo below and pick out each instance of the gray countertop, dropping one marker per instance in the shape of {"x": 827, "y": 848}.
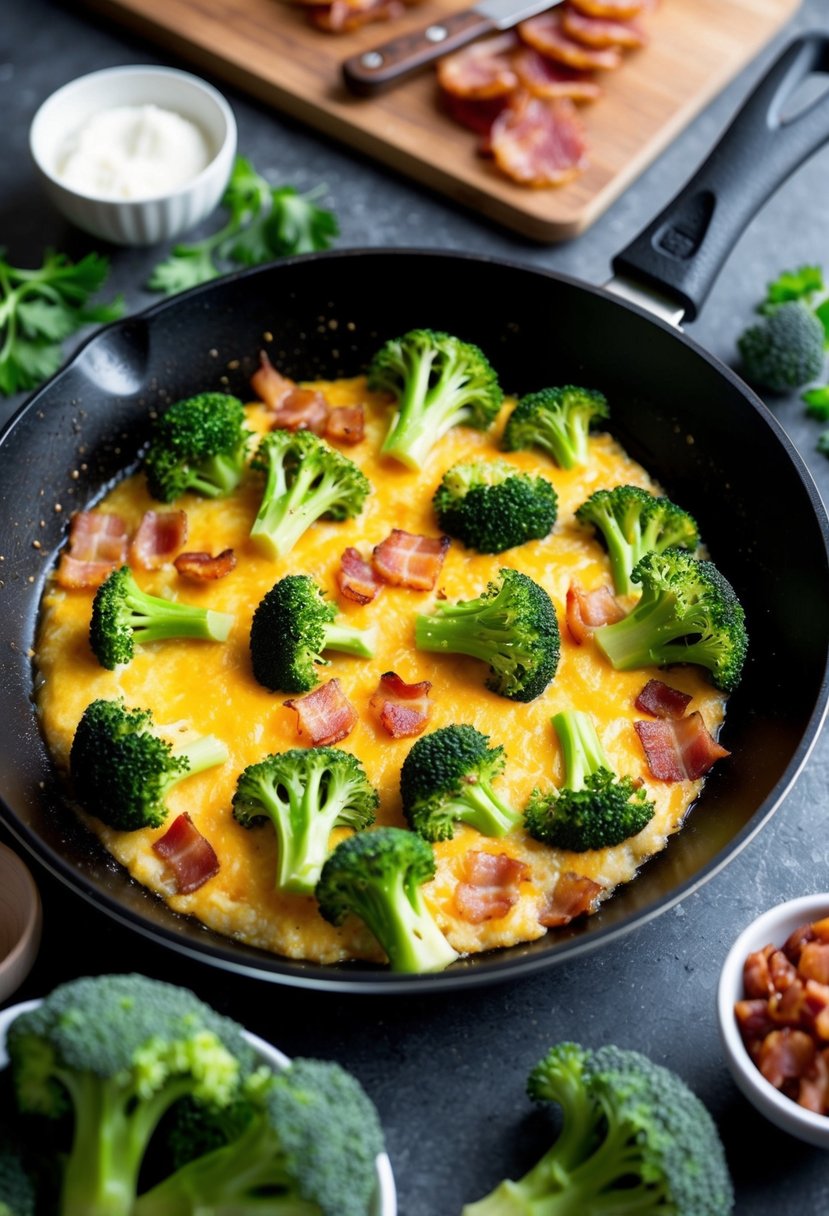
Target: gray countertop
{"x": 448, "y": 1072}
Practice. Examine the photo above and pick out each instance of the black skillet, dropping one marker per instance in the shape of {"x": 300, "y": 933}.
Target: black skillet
{"x": 680, "y": 412}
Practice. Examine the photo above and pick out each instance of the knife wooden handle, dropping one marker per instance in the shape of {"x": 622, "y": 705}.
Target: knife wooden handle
{"x": 371, "y": 71}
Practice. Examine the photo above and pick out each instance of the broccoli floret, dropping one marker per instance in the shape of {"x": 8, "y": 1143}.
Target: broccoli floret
{"x": 594, "y": 809}
{"x": 447, "y": 778}
{"x": 634, "y": 1139}
{"x": 378, "y": 876}
{"x": 785, "y": 349}
{"x": 291, "y": 627}
{"x": 124, "y": 616}
{"x": 309, "y": 1150}
{"x": 688, "y": 613}
{"x": 122, "y": 771}
{"x": 306, "y": 480}
{"x": 632, "y": 523}
{"x": 439, "y": 382}
{"x": 17, "y": 1189}
{"x": 115, "y": 1052}
{"x": 306, "y": 793}
{"x": 199, "y": 444}
{"x": 512, "y": 626}
{"x": 558, "y": 421}
{"x": 492, "y": 506}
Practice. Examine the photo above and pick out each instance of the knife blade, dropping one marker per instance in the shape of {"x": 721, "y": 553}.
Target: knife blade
{"x": 369, "y": 72}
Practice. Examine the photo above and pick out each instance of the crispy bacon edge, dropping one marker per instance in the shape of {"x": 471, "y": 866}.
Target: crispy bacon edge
{"x": 407, "y": 559}
{"x": 159, "y": 536}
{"x": 403, "y": 709}
{"x": 204, "y": 567}
{"x": 679, "y": 749}
{"x": 490, "y": 886}
{"x": 325, "y": 715}
{"x": 190, "y": 857}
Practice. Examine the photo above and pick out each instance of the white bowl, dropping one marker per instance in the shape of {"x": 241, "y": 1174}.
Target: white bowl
{"x": 384, "y": 1202}
{"x": 146, "y": 220}
{"x": 20, "y": 922}
{"x": 773, "y": 927}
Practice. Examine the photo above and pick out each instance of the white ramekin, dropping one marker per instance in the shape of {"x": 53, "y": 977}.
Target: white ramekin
{"x": 20, "y": 922}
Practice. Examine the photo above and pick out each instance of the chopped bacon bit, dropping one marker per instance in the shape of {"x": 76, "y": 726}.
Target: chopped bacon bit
{"x": 480, "y": 71}
{"x": 796, "y": 940}
{"x": 191, "y": 858}
{"x": 781, "y": 972}
{"x": 757, "y": 981}
{"x": 325, "y": 715}
{"x": 269, "y": 385}
{"x": 346, "y": 424}
{"x": 160, "y": 535}
{"x": 662, "y": 700}
{"x": 403, "y": 708}
{"x": 539, "y": 141}
{"x": 302, "y": 409}
{"x": 785, "y": 1055}
{"x": 679, "y": 749}
{"x": 356, "y": 579}
{"x": 813, "y": 1092}
{"x": 490, "y": 888}
{"x": 573, "y": 895}
{"x": 203, "y": 567}
{"x": 545, "y": 33}
{"x": 97, "y": 546}
{"x": 587, "y": 610}
{"x": 753, "y": 1018}
{"x": 612, "y": 10}
{"x": 814, "y": 962}
{"x": 543, "y": 77}
{"x": 343, "y": 16}
{"x": 478, "y": 116}
{"x": 408, "y": 560}
{"x": 602, "y": 31}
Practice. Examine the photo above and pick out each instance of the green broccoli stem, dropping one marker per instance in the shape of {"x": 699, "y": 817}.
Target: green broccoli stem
{"x": 581, "y": 748}
{"x": 479, "y": 806}
{"x": 396, "y": 913}
{"x": 645, "y": 635}
{"x": 303, "y": 828}
{"x": 113, "y": 1126}
{"x": 566, "y": 440}
{"x": 286, "y": 511}
{"x": 463, "y": 629}
{"x": 424, "y": 414}
{"x": 154, "y": 619}
{"x": 348, "y": 640}
{"x": 203, "y": 753}
{"x": 217, "y": 476}
{"x": 621, "y": 553}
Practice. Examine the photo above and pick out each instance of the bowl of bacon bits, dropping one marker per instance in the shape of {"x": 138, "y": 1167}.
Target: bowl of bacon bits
{"x": 773, "y": 1006}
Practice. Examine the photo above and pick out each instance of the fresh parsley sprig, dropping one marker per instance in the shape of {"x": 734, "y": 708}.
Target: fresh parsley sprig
{"x": 40, "y": 308}
{"x": 264, "y": 222}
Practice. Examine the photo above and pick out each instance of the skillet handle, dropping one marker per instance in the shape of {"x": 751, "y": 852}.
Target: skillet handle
{"x": 683, "y": 250}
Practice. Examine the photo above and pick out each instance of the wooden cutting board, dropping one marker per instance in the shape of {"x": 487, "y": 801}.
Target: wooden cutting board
{"x": 267, "y": 48}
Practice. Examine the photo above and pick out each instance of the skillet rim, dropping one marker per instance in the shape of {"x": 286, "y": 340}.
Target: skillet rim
{"x": 483, "y": 969}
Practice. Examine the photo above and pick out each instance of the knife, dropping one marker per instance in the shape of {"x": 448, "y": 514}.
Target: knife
{"x": 372, "y": 71}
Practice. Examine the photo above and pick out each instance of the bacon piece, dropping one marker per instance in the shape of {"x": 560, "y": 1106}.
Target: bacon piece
{"x": 788, "y": 1006}
{"x": 813, "y": 1091}
{"x": 544, "y": 32}
{"x": 270, "y": 385}
{"x": 325, "y": 715}
{"x": 757, "y": 981}
{"x": 538, "y": 141}
{"x": 302, "y": 409}
{"x": 480, "y": 71}
{"x": 403, "y": 708}
{"x": 814, "y": 962}
{"x": 662, "y": 700}
{"x": 785, "y": 1055}
{"x": 543, "y": 77}
{"x": 587, "y": 610}
{"x": 572, "y": 896}
{"x": 343, "y": 16}
{"x": 191, "y": 858}
{"x": 97, "y": 546}
{"x": 679, "y": 749}
{"x": 794, "y": 943}
{"x": 781, "y": 972}
{"x": 490, "y": 887}
{"x": 478, "y": 116}
{"x": 346, "y": 424}
{"x": 612, "y": 10}
{"x": 405, "y": 559}
{"x": 602, "y": 31}
{"x": 203, "y": 567}
{"x": 356, "y": 579}
{"x": 160, "y": 535}
{"x": 753, "y": 1019}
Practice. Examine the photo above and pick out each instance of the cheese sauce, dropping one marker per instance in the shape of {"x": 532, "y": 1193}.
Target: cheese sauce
{"x": 210, "y": 687}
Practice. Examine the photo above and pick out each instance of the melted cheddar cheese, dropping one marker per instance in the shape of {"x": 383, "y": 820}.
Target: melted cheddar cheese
{"x": 209, "y": 688}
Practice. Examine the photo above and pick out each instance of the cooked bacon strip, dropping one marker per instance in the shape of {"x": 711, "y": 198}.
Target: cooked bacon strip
{"x": 302, "y": 409}
{"x": 403, "y": 709}
{"x": 190, "y": 857}
{"x": 343, "y": 16}
{"x": 544, "y": 77}
{"x": 159, "y": 537}
{"x": 588, "y": 610}
{"x": 786, "y": 1055}
{"x": 270, "y": 385}
{"x": 405, "y": 559}
{"x": 325, "y": 715}
{"x": 813, "y": 1092}
{"x": 97, "y": 545}
{"x": 491, "y": 886}
{"x": 356, "y": 579}
{"x": 662, "y": 700}
{"x": 573, "y": 895}
{"x": 537, "y": 141}
{"x": 613, "y": 10}
{"x": 757, "y": 981}
{"x": 602, "y": 31}
{"x": 346, "y": 424}
{"x": 478, "y": 116}
{"x": 679, "y": 749}
{"x": 544, "y": 32}
{"x": 203, "y": 567}
{"x": 480, "y": 71}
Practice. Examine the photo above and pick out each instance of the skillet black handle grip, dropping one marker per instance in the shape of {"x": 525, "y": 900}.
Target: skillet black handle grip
{"x": 682, "y": 251}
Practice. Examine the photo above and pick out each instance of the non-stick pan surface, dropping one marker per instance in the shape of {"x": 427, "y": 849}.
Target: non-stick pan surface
{"x": 687, "y": 418}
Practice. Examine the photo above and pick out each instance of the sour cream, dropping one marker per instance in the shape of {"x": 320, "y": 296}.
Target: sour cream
{"x": 132, "y": 152}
